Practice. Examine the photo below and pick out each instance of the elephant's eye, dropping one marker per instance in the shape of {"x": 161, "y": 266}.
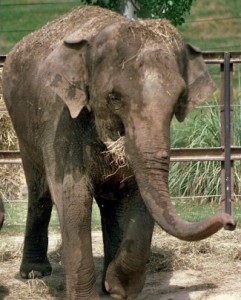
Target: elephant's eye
{"x": 114, "y": 99}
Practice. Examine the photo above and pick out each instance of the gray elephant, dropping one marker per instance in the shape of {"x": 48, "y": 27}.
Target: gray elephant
{"x": 73, "y": 88}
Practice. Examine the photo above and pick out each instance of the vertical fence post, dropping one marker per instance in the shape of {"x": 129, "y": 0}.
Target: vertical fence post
{"x": 227, "y": 133}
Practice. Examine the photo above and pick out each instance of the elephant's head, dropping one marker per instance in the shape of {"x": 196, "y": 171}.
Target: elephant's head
{"x": 134, "y": 76}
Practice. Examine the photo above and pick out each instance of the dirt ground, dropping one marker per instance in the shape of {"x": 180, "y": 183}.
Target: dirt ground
{"x": 177, "y": 270}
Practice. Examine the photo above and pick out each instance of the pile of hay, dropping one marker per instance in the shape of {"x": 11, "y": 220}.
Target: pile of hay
{"x": 171, "y": 254}
{"x": 11, "y": 176}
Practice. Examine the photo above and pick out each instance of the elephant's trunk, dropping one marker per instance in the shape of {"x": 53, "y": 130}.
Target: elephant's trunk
{"x": 151, "y": 167}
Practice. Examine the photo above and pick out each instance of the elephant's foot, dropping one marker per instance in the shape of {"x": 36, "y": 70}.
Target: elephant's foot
{"x": 122, "y": 283}
{"x": 35, "y": 269}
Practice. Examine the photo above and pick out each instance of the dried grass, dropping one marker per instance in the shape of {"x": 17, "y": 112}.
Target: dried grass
{"x": 50, "y": 287}
{"x": 171, "y": 254}
{"x": 164, "y": 33}
{"x": 168, "y": 254}
{"x": 115, "y": 155}
{"x": 12, "y": 181}
{"x": 36, "y": 284}
{"x": 1, "y": 88}
{"x": 11, "y": 176}
{"x": 116, "y": 152}
{"x": 10, "y": 249}
{"x": 8, "y": 139}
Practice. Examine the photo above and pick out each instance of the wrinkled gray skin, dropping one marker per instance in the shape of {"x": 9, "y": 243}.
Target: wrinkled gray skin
{"x": 79, "y": 82}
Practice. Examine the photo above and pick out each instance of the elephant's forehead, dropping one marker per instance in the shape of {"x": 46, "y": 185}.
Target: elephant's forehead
{"x": 124, "y": 41}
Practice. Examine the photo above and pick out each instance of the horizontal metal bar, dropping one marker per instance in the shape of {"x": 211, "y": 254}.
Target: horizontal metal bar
{"x": 203, "y": 154}
{"x": 202, "y": 197}
{"x": 210, "y": 57}
{"x": 9, "y": 154}
{"x": 177, "y": 154}
{"x": 12, "y": 161}
{"x": 10, "y": 157}
{"x": 217, "y": 57}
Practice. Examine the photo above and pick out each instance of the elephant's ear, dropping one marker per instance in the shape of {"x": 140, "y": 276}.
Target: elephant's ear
{"x": 69, "y": 74}
{"x": 199, "y": 83}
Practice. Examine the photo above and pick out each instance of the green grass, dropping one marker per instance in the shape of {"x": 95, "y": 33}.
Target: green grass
{"x": 214, "y": 25}
{"x": 15, "y": 218}
{"x": 193, "y": 210}
{"x": 16, "y": 21}
{"x": 190, "y": 210}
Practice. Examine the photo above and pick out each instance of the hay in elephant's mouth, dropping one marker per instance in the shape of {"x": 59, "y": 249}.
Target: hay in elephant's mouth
{"x": 116, "y": 152}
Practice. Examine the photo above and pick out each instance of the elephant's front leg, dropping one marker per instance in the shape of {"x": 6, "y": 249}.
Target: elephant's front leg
{"x": 75, "y": 221}
{"x": 126, "y": 273}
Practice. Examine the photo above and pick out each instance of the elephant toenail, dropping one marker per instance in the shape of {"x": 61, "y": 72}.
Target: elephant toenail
{"x": 107, "y": 287}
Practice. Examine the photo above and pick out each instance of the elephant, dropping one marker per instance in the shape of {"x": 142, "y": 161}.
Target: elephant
{"x": 73, "y": 89}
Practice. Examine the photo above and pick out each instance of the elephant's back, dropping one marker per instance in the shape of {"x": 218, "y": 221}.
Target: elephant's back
{"x": 37, "y": 45}
{"x": 25, "y": 59}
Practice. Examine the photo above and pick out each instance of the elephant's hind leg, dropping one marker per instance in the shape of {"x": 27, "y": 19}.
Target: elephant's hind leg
{"x": 112, "y": 227}
{"x": 35, "y": 262}
{"x": 125, "y": 275}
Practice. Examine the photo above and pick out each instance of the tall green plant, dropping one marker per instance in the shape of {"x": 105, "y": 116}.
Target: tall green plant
{"x": 202, "y": 129}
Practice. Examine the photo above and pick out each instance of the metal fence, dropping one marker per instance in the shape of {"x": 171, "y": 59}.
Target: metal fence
{"x": 226, "y": 154}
